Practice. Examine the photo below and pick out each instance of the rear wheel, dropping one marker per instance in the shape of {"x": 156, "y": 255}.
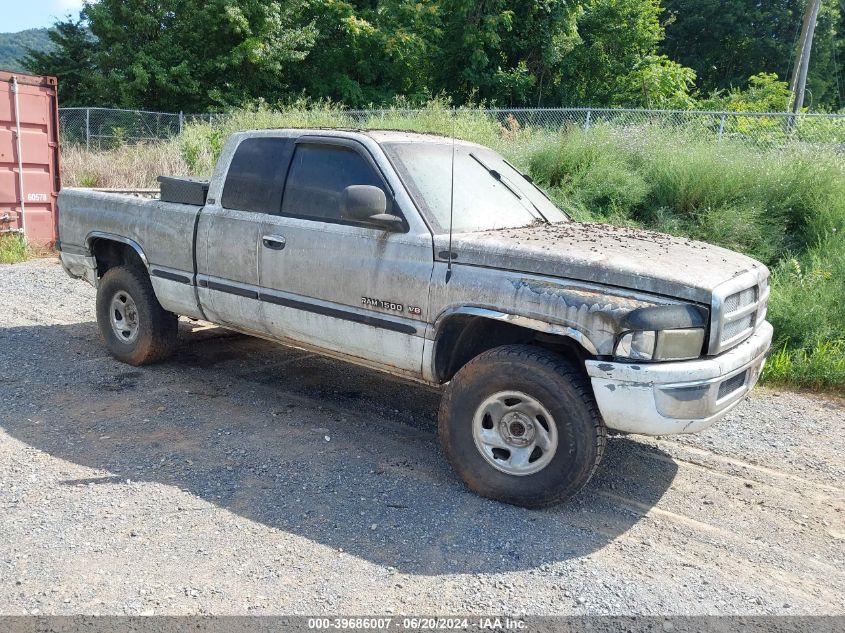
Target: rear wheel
{"x": 134, "y": 326}
{"x": 519, "y": 424}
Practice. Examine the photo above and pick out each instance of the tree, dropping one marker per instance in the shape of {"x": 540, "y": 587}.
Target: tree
{"x": 368, "y": 52}
{"x": 658, "y": 82}
{"x": 199, "y": 54}
{"x": 728, "y": 42}
{"x": 181, "y": 54}
{"x": 71, "y": 58}
{"x": 765, "y": 93}
{"x": 616, "y": 61}
{"x": 503, "y": 51}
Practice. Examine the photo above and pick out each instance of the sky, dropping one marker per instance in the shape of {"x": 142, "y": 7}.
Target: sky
{"x": 18, "y": 15}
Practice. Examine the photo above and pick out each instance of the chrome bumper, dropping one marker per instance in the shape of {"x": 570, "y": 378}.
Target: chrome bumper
{"x": 682, "y": 397}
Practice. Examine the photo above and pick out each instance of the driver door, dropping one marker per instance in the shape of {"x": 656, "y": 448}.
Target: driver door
{"x": 340, "y": 285}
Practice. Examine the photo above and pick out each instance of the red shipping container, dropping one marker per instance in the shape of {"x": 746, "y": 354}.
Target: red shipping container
{"x": 29, "y": 156}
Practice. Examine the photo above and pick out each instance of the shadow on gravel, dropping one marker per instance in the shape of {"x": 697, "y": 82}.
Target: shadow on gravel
{"x": 345, "y": 457}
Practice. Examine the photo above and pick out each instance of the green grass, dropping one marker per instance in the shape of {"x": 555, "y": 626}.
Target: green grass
{"x": 820, "y": 367}
{"x": 13, "y": 249}
{"x": 807, "y": 308}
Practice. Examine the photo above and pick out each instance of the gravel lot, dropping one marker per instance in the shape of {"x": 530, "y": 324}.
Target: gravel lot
{"x": 244, "y": 477}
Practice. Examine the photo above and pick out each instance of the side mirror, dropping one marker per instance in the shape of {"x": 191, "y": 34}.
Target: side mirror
{"x": 365, "y": 203}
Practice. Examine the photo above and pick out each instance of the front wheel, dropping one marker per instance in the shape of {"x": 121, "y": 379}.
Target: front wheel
{"x": 134, "y": 326}
{"x": 520, "y": 425}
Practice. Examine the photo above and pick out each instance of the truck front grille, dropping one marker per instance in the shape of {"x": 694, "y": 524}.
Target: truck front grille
{"x": 741, "y": 299}
{"x": 732, "y": 329}
{"x": 739, "y": 306}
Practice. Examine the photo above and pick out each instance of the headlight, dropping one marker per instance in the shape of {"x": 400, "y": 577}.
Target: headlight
{"x": 681, "y": 344}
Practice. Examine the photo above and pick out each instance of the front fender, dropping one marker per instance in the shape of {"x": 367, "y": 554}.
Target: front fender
{"x": 518, "y": 320}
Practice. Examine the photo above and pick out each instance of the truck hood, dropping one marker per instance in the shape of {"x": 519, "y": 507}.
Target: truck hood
{"x": 605, "y": 254}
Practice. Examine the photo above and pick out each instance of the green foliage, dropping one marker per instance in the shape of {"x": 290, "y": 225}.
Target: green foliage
{"x": 503, "y": 50}
{"x": 13, "y": 249}
{"x": 367, "y": 52}
{"x": 201, "y": 55}
{"x": 820, "y": 366}
{"x": 88, "y": 180}
{"x": 13, "y": 47}
{"x": 658, "y": 82}
{"x": 809, "y": 315}
{"x": 590, "y": 175}
{"x": 70, "y": 57}
{"x": 618, "y": 42}
{"x": 765, "y": 93}
{"x": 178, "y": 54}
{"x": 728, "y": 42}
{"x": 198, "y": 55}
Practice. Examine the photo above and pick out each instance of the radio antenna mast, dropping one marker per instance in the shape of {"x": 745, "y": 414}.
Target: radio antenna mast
{"x": 451, "y": 202}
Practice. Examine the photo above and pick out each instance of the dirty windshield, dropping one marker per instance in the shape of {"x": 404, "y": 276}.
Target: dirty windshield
{"x": 489, "y": 192}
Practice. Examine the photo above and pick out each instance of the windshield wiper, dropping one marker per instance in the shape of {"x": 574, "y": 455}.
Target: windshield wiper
{"x": 513, "y": 189}
{"x": 529, "y": 179}
{"x": 540, "y": 190}
{"x": 498, "y": 176}
{"x": 505, "y": 181}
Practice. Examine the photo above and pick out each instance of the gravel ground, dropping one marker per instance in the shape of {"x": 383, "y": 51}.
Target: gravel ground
{"x": 244, "y": 477}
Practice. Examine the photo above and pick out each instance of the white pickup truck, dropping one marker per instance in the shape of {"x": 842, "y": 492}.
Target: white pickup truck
{"x": 545, "y": 331}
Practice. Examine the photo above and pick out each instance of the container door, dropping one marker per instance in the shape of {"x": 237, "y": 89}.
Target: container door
{"x": 28, "y": 104}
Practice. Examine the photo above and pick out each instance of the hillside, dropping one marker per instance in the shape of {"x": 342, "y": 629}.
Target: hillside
{"x": 13, "y": 46}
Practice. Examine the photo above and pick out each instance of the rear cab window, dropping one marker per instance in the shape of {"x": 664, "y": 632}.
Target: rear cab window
{"x": 256, "y": 176}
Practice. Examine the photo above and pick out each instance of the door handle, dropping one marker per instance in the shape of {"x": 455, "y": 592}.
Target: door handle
{"x": 275, "y": 242}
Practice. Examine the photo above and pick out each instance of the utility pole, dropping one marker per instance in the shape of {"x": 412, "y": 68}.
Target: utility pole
{"x": 798, "y": 83}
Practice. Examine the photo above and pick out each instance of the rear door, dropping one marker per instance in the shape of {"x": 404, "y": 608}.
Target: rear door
{"x": 343, "y": 286}
{"x": 229, "y": 230}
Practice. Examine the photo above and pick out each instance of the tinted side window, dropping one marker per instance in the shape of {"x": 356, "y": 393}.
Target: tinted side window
{"x": 319, "y": 174}
{"x": 257, "y": 175}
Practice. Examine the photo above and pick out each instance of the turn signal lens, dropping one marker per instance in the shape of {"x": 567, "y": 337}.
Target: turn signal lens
{"x": 636, "y": 346}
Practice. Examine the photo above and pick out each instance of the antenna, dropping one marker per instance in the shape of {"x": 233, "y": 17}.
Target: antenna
{"x": 451, "y": 203}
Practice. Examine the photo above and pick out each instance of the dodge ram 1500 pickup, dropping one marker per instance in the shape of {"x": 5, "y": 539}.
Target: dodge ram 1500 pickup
{"x": 546, "y": 332}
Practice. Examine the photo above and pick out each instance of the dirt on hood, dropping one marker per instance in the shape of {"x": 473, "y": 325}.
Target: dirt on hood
{"x": 601, "y": 253}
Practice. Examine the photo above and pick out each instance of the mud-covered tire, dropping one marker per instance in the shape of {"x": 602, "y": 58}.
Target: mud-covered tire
{"x": 545, "y": 379}
{"x": 145, "y": 332}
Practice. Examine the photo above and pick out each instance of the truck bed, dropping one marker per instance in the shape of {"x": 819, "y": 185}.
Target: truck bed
{"x": 164, "y": 231}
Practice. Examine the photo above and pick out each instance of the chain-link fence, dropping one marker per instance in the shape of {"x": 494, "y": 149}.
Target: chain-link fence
{"x": 103, "y": 128}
